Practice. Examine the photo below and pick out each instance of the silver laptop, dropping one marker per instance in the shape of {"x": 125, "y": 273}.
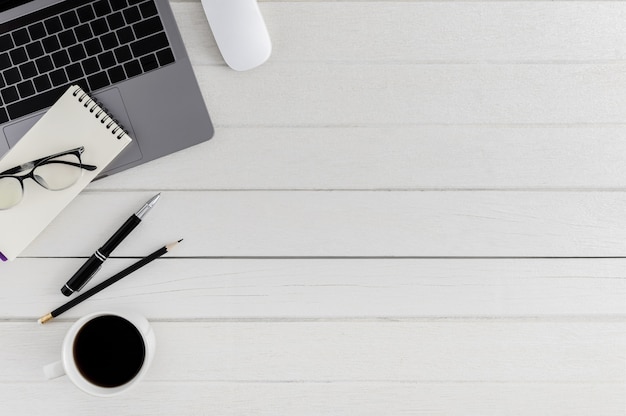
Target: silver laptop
{"x": 128, "y": 53}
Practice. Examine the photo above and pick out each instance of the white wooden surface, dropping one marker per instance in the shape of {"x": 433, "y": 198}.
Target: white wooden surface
{"x": 412, "y": 208}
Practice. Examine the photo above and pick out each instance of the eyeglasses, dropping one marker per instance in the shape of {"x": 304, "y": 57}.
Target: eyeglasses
{"x": 55, "y": 173}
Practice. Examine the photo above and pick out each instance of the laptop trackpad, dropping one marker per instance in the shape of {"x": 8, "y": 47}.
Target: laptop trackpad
{"x": 112, "y": 100}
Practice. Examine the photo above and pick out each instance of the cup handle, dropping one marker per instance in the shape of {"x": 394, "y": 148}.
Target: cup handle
{"x": 54, "y": 370}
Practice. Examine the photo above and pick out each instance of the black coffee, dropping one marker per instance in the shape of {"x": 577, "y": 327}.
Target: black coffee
{"x": 109, "y": 351}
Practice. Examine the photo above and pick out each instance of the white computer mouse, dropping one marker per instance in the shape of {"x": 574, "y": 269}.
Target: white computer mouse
{"x": 240, "y": 32}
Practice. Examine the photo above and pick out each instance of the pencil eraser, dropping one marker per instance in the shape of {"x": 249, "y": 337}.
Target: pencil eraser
{"x": 2, "y": 257}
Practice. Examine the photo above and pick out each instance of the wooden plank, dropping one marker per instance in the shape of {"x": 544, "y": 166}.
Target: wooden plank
{"x": 418, "y": 31}
{"x": 349, "y": 95}
{"x": 338, "y": 224}
{"x": 407, "y": 157}
{"x": 492, "y": 351}
{"x": 329, "y": 289}
{"x": 368, "y": 398}
{"x": 478, "y": 92}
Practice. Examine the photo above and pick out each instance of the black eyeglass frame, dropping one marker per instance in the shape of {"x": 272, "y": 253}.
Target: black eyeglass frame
{"x": 10, "y": 173}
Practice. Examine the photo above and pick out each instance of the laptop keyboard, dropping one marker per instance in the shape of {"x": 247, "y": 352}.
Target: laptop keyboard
{"x": 93, "y": 44}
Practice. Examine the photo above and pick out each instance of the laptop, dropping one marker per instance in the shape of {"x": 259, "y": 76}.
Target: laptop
{"x": 127, "y": 53}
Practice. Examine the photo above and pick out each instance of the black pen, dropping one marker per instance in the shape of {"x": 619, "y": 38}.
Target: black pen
{"x": 93, "y": 264}
{"x": 101, "y": 286}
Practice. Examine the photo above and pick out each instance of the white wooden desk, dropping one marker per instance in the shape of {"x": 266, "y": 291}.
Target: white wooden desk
{"x": 412, "y": 208}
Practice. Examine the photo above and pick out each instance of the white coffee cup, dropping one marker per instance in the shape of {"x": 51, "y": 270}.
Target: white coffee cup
{"x": 68, "y": 364}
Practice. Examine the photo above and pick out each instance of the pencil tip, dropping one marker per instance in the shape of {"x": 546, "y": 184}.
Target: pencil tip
{"x": 171, "y": 246}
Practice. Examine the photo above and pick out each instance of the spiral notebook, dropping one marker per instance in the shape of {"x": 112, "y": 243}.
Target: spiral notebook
{"x": 75, "y": 120}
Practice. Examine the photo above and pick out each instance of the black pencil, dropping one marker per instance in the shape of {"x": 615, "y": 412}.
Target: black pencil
{"x": 89, "y": 293}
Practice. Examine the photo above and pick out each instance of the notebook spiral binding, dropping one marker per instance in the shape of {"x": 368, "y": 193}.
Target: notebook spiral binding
{"x": 99, "y": 109}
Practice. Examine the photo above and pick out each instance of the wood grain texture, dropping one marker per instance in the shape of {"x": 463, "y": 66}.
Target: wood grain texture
{"x": 456, "y": 351}
{"x": 391, "y": 158}
{"x": 367, "y": 398}
{"x": 413, "y": 94}
{"x": 353, "y": 224}
{"x": 364, "y": 368}
{"x": 189, "y": 289}
{"x": 372, "y": 32}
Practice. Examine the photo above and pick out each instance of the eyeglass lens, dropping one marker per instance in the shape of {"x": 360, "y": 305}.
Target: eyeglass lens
{"x": 54, "y": 174}
{"x": 10, "y": 192}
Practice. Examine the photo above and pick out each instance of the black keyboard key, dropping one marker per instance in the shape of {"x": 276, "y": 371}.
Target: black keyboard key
{"x": 149, "y": 62}
{"x": 118, "y": 4}
{"x": 34, "y": 103}
{"x": 115, "y": 20}
{"x": 132, "y": 68}
{"x": 165, "y": 56}
{"x": 4, "y": 117}
{"x": 148, "y": 9}
{"x": 149, "y": 44}
{"x": 147, "y": 27}
{"x": 125, "y": 35}
{"x": 77, "y": 52}
{"x": 85, "y": 13}
{"x": 26, "y": 89}
{"x": 51, "y": 44}
{"x": 116, "y": 74}
{"x": 106, "y": 60}
{"x": 28, "y": 70}
{"x": 18, "y": 56}
{"x": 83, "y": 32}
{"x": 123, "y": 54}
{"x": 9, "y": 94}
{"x": 53, "y": 25}
{"x": 102, "y": 7}
{"x": 74, "y": 71}
{"x": 109, "y": 41}
{"x": 132, "y": 15}
{"x": 12, "y": 76}
{"x": 90, "y": 66}
{"x": 58, "y": 77}
{"x": 69, "y": 19}
{"x": 21, "y": 37}
{"x": 5, "y": 61}
{"x": 60, "y": 58}
{"x": 6, "y": 43}
{"x": 82, "y": 83}
{"x": 37, "y": 31}
{"x": 98, "y": 81}
{"x": 67, "y": 38}
{"x": 99, "y": 27}
{"x": 34, "y": 50}
{"x": 44, "y": 64}
{"x": 2, "y": 85}
{"x": 93, "y": 47}
{"x": 42, "y": 83}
